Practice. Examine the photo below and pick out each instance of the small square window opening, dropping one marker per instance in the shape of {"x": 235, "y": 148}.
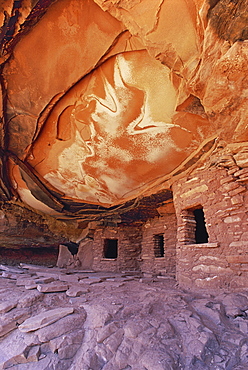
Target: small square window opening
{"x": 158, "y": 245}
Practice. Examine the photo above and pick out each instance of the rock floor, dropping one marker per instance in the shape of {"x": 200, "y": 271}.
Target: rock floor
{"x": 55, "y": 319}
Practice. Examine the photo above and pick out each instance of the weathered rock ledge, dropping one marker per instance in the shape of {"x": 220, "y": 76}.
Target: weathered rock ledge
{"x": 116, "y": 322}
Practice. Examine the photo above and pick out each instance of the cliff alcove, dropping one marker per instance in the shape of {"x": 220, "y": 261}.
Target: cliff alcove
{"x": 124, "y": 150}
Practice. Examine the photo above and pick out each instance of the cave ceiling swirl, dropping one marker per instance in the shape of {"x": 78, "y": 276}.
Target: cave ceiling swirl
{"x": 105, "y": 103}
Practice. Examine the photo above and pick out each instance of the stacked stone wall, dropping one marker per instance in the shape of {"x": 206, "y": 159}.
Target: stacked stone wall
{"x": 223, "y": 260}
{"x": 129, "y": 248}
{"x": 164, "y": 225}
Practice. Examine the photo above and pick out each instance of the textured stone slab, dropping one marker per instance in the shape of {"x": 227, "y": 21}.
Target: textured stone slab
{"x": 33, "y": 354}
{"x": 13, "y": 270}
{"x": 67, "y": 345}
{"x": 238, "y": 244}
{"x": 65, "y": 257}
{"x": 106, "y": 331}
{"x": 146, "y": 280}
{"x": 113, "y": 284}
{"x": 44, "y": 280}
{"x": 9, "y": 275}
{"x": 31, "y": 286}
{"x": 7, "y": 328}
{"x": 198, "y": 190}
{"x": 237, "y": 258}
{"x": 10, "y": 320}
{"x": 69, "y": 278}
{"x": 243, "y": 179}
{"x": 78, "y": 301}
{"x": 211, "y": 269}
{"x": 39, "y": 269}
{"x": 15, "y": 349}
{"x": 76, "y": 291}
{"x": 30, "y": 298}
{"x": 52, "y": 274}
{"x": 29, "y": 266}
{"x": 7, "y": 306}
{"x": 91, "y": 281}
{"x": 62, "y": 326}
{"x": 44, "y": 319}
{"x": 202, "y": 245}
{"x": 53, "y": 287}
{"x": 45, "y": 362}
{"x": 208, "y": 282}
{"x": 22, "y": 281}
{"x": 232, "y": 219}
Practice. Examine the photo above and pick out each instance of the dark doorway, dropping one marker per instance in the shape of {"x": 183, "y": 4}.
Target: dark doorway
{"x": 110, "y": 249}
{"x": 72, "y": 247}
{"x": 201, "y": 235}
{"x": 158, "y": 245}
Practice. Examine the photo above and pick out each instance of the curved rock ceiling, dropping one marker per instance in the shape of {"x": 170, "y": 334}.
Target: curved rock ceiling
{"x": 107, "y": 101}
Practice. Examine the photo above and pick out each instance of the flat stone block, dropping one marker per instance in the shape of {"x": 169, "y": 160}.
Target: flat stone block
{"x": 242, "y": 243}
{"x": 12, "y": 270}
{"x": 24, "y": 281}
{"x": 209, "y": 282}
{"x": 44, "y": 280}
{"x": 237, "y": 258}
{"x": 53, "y": 287}
{"x": 73, "y": 278}
{"x": 76, "y": 291}
{"x": 91, "y": 281}
{"x": 31, "y": 286}
{"x": 52, "y": 274}
{"x": 244, "y": 171}
{"x": 29, "y": 298}
{"x": 8, "y": 322}
{"x": 60, "y": 327}
{"x": 203, "y": 245}
{"x": 197, "y": 190}
{"x": 232, "y": 219}
{"x": 15, "y": 349}
{"x": 239, "y": 190}
{"x": 44, "y": 319}
{"x": 226, "y": 180}
{"x": 9, "y": 275}
{"x": 211, "y": 269}
{"x": 7, "y": 306}
{"x": 243, "y": 179}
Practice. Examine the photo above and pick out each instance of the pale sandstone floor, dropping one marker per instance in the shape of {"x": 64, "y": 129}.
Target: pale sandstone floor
{"x": 53, "y": 318}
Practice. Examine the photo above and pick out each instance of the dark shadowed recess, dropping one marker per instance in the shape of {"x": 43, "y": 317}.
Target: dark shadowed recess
{"x": 229, "y": 18}
{"x": 37, "y": 256}
{"x": 8, "y": 39}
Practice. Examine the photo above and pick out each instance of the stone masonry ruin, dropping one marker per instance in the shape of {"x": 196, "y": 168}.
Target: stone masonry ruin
{"x": 142, "y": 135}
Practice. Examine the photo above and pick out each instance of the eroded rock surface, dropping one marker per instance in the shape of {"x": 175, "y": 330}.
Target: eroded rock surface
{"x": 121, "y": 322}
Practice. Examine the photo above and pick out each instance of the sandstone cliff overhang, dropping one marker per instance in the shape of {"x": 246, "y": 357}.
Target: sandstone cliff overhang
{"x": 106, "y": 103}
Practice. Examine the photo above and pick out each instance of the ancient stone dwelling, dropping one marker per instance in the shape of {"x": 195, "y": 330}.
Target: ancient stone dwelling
{"x": 124, "y": 137}
{"x": 199, "y": 234}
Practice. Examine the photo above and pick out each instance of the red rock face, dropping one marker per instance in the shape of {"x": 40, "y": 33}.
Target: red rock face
{"x": 105, "y": 101}
{"x": 115, "y": 131}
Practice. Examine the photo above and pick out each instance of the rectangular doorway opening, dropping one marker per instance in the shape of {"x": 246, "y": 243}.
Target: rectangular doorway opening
{"x": 110, "y": 248}
{"x": 158, "y": 245}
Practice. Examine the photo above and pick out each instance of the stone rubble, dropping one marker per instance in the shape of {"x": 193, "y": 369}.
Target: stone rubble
{"x": 121, "y": 322}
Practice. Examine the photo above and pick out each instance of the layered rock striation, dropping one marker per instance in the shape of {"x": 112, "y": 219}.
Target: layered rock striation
{"x": 104, "y": 102}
